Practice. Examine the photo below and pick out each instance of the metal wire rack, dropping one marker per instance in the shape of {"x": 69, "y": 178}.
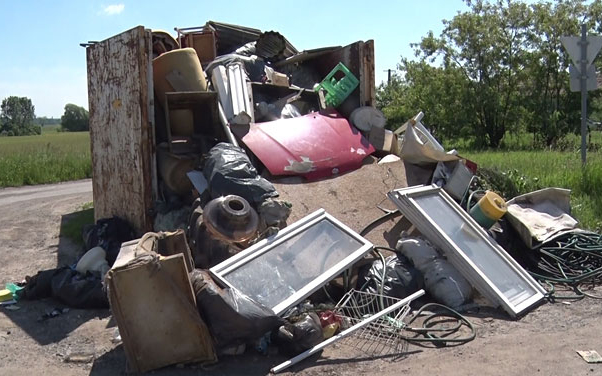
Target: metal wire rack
{"x": 382, "y": 336}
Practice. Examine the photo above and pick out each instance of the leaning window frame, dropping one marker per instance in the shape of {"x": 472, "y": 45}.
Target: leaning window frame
{"x": 476, "y": 277}
{"x": 222, "y": 269}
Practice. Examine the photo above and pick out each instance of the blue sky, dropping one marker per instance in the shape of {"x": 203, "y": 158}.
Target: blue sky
{"x": 41, "y": 57}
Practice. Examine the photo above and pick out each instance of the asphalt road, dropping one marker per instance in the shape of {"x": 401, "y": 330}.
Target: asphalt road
{"x": 27, "y": 193}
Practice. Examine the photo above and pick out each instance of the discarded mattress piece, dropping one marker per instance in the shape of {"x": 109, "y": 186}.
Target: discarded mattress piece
{"x": 471, "y": 250}
{"x": 315, "y": 146}
{"x": 541, "y": 215}
{"x": 282, "y": 270}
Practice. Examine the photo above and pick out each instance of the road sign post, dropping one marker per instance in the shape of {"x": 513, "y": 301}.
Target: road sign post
{"x": 583, "y": 93}
{"x": 583, "y": 51}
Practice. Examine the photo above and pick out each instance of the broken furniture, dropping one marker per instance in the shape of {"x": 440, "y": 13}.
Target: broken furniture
{"x": 190, "y": 115}
{"x": 201, "y": 39}
{"x": 154, "y": 305}
{"x": 282, "y": 270}
{"x": 485, "y": 264}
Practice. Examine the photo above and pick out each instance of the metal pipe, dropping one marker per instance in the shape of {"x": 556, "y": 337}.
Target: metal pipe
{"x": 583, "y": 72}
{"x": 346, "y": 332}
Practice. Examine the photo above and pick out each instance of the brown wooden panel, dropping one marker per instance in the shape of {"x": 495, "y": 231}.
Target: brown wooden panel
{"x": 121, "y": 129}
{"x": 155, "y": 309}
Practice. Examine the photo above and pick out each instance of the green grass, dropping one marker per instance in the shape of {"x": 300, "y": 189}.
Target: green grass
{"x": 47, "y": 158}
{"x": 524, "y": 141}
{"x": 54, "y": 128}
{"x": 531, "y": 170}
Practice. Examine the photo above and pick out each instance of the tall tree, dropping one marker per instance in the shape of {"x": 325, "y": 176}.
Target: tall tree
{"x": 17, "y": 116}
{"x": 486, "y": 43}
{"x": 75, "y": 118}
{"x": 498, "y": 67}
{"x": 551, "y": 108}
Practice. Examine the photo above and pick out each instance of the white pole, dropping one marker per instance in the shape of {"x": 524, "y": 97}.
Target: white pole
{"x": 346, "y": 332}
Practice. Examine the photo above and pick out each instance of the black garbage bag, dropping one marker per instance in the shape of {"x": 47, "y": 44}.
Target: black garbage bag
{"x": 399, "y": 280}
{"x": 303, "y": 334}
{"x": 232, "y": 317}
{"x": 79, "y": 290}
{"x": 68, "y": 286}
{"x": 39, "y": 286}
{"x": 441, "y": 280}
{"x": 108, "y": 233}
{"x": 229, "y": 171}
{"x": 446, "y": 284}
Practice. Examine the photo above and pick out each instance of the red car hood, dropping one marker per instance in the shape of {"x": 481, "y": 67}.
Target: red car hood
{"x": 315, "y": 145}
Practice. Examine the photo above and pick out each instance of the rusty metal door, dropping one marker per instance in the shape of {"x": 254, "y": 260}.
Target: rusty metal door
{"x": 120, "y": 95}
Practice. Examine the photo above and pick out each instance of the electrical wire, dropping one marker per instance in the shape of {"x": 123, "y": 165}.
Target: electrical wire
{"x": 390, "y": 215}
{"x": 439, "y": 336}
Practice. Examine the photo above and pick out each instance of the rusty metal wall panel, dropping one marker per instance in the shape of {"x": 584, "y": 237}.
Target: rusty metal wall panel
{"x": 367, "y": 80}
{"x": 121, "y": 130}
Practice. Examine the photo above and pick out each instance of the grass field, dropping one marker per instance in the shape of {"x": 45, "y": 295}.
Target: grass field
{"x": 47, "y": 158}
{"x": 50, "y": 128}
{"x": 532, "y": 170}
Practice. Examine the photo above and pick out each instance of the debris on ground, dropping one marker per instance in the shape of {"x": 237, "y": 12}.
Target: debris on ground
{"x": 192, "y": 236}
{"x": 590, "y": 356}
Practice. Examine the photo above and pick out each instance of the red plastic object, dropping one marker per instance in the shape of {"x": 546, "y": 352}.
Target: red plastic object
{"x": 328, "y": 317}
{"x": 316, "y": 145}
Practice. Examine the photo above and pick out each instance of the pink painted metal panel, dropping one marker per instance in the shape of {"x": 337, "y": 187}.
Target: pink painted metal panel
{"x": 316, "y": 145}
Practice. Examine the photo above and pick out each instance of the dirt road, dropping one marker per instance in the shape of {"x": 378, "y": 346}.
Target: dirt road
{"x": 79, "y": 342}
{"x": 45, "y": 191}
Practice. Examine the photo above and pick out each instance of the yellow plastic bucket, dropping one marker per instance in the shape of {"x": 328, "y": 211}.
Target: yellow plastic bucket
{"x": 490, "y": 208}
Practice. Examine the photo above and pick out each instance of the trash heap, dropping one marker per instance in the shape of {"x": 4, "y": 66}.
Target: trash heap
{"x": 224, "y": 272}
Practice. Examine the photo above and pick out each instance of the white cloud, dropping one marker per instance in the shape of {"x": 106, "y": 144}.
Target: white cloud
{"x": 113, "y": 9}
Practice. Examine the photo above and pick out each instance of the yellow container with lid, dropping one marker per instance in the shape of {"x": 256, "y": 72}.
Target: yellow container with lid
{"x": 489, "y": 209}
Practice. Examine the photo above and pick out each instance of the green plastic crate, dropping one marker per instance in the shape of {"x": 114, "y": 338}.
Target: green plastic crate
{"x": 338, "y": 91}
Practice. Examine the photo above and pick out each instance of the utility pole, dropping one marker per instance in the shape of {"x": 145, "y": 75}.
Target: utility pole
{"x": 388, "y": 76}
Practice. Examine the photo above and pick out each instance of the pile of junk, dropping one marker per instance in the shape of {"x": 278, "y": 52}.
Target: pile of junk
{"x": 224, "y": 273}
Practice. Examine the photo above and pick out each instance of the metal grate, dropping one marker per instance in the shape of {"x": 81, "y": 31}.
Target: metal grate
{"x": 383, "y": 335}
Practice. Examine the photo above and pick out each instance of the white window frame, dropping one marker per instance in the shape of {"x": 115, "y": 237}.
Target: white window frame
{"x": 405, "y": 200}
{"x": 221, "y": 270}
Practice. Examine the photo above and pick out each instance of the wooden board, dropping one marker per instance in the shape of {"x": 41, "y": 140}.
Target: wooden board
{"x": 121, "y": 127}
{"x": 155, "y": 310}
